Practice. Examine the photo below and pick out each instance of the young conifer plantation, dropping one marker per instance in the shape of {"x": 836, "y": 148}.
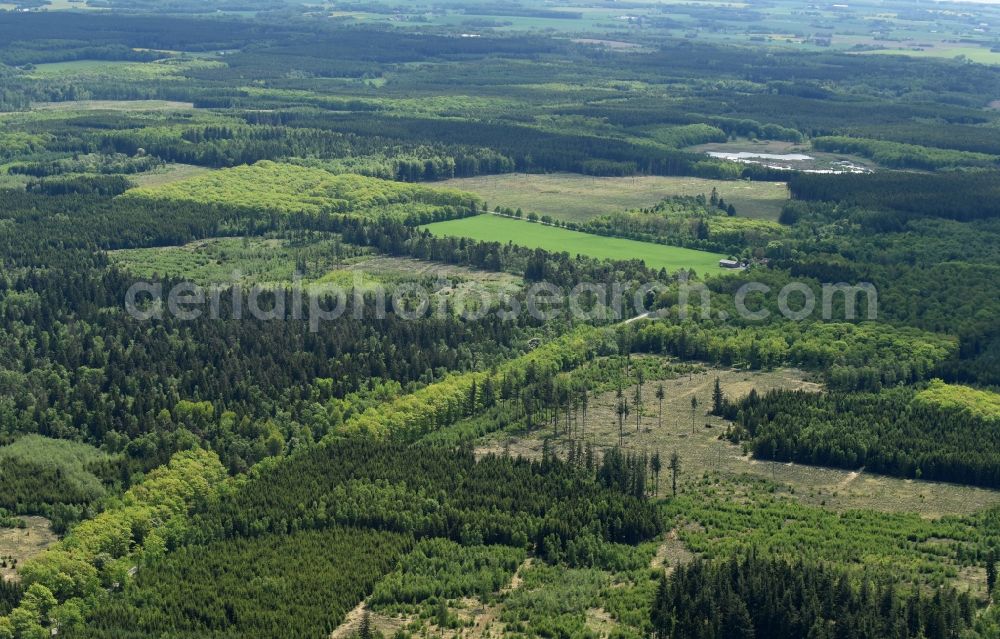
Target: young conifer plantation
{"x": 470, "y": 320}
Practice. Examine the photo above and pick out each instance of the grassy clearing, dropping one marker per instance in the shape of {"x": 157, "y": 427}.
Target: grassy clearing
{"x": 168, "y": 174}
{"x": 171, "y": 68}
{"x": 236, "y": 260}
{"x": 449, "y": 281}
{"x": 718, "y": 517}
{"x": 695, "y": 436}
{"x": 474, "y": 617}
{"x": 17, "y": 545}
{"x": 442, "y": 569}
{"x": 555, "y": 601}
{"x": 49, "y": 69}
{"x": 539, "y": 600}
{"x": 113, "y": 105}
{"x": 321, "y": 261}
{"x": 410, "y": 268}
{"x": 494, "y": 228}
{"x": 573, "y": 197}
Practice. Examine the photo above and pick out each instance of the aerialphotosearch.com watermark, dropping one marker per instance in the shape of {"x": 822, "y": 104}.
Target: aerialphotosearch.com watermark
{"x": 317, "y": 304}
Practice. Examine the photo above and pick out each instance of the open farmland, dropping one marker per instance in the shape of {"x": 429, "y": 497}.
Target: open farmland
{"x": 576, "y": 198}
{"x": 494, "y": 228}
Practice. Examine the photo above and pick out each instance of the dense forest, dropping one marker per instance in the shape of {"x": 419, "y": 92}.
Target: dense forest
{"x": 964, "y": 196}
{"x": 896, "y": 432}
{"x": 749, "y": 597}
{"x": 565, "y": 513}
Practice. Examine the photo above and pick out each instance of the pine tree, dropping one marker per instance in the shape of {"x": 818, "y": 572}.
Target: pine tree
{"x": 661, "y": 614}
{"x": 991, "y": 571}
{"x": 441, "y": 615}
{"x": 365, "y": 629}
{"x": 623, "y": 412}
{"x": 694, "y": 407}
{"x": 506, "y": 389}
{"x": 473, "y": 395}
{"x": 488, "y": 393}
{"x": 718, "y": 399}
{"x": 638, "y": 404}
{"x": 675, "y": 470}
{"x": 661, "y": 393}
{"x": 656, "y": 465}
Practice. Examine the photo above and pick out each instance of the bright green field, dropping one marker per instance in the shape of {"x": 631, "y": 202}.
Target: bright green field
{"x": 493, "y": 228}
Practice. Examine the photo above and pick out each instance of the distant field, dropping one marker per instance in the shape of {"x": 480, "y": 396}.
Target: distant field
{"x": 572, "y": 197}
{"x": 67, "y": 4}
{"x": 975, "y": 54}
{"x": 112, "y": 105}
{"x": 79, "y": 66}
{"x": 123, "y": 70}
{"x": 533, "y": 235}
